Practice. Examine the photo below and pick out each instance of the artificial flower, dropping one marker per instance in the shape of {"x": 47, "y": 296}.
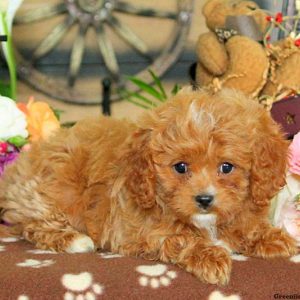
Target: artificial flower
{"x": 269, "y": 18}
{"x": 279, "y": 18}
{"x": 21, "y": 123}
{"x": 290, "y": 220}
{"x": 8, "y": 9}
{"x": 284, "y": 209}
{"x": 297, "y": 42}
{"x": 13, "y": 121}
{"x": 10, "y": 155}
{"x": 41, "y": 120}
{"x": 297, "y": 4}
{"x": 3, "y": 147}
{"x": 294, "y": 155}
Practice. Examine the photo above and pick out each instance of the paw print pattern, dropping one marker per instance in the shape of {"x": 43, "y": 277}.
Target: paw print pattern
{"x": 39, "y": 251}
{"x": 238, "y": 257}
{"x": 23, "y": 297}
{"x": 295, "y": 259}
{"x": 155, "y": 276}
{"x": 216, "y": 295}
{"x": 81, "y": 287}
{"x": 36, "y": 264}
{"x": 108, "y": 255}
{"x": 9, "y": 240}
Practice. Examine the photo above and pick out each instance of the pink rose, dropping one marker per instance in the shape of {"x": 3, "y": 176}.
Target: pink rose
{"x": 294, "y": 155}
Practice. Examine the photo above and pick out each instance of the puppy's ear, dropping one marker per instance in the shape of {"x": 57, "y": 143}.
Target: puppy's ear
{"x": 269, "y": 162}
{"x": 140, "y": 173}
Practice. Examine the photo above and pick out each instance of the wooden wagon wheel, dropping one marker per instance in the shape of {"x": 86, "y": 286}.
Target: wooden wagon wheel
{"x": 99, "y": 16}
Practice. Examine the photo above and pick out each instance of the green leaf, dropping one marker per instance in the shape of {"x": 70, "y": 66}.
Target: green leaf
{"x": 5, "y": 89}
{"x": 9, "y": 55}
{"x": 57, "y": 112}
{"x": 138, "y": 104}
{"x": 158, "y": 83}
{"x": 127, "y": 95}
{"x": 175, "y": 89}
{"x": 146, "y": 88}
{"x": 139, "y": 97}
{"x": 18, "y": 141}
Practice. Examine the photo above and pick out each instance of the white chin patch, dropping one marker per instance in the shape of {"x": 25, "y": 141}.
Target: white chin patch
{"x": 208, "y": 222}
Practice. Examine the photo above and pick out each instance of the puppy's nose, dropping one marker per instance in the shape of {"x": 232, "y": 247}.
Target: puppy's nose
{"x": 204, "y": 200}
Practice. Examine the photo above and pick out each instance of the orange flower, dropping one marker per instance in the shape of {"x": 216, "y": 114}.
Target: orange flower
{"x": 41, "y": 120}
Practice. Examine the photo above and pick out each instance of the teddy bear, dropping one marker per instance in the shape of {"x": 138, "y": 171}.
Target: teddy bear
{"x": 236, "y": 59}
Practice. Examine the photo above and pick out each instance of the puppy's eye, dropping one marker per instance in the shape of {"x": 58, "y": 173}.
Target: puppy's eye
{"x": 181, "y": 167}
{"x": 226, "y": 168}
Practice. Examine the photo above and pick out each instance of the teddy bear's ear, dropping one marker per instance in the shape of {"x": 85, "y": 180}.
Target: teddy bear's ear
{"x": 269, "y": 162}
{"x": 138, "y": 169}
{"x": 208, "y": 7}
{"x": 215, "y": 12}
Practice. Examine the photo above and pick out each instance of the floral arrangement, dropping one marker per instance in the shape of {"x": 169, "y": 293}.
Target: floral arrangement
{"x": 285, "y": 210}
{"x": 287, "y": 24}
{"x": 8, "y": 9}
{"x": 21, "y": 124}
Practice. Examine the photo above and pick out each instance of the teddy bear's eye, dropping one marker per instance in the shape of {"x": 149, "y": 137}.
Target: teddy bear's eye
{"x": 251, "y": 7}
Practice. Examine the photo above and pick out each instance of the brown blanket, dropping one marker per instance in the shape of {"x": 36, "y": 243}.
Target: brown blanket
{"x": 31, "y": 274}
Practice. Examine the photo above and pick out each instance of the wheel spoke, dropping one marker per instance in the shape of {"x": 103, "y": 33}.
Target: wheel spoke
{"x": 111, "y": 15}
{"x": 53, "y": 38}
{"x": 44, "y": 12}
{"x": 107, "y": 51}
{"x": 129, "y": 36}
{"x": 76, "y": 55}
{"x": 124, "y": 7}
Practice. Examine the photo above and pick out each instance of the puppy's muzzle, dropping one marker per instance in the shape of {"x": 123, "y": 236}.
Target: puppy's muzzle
{"x": 204, "y": 200}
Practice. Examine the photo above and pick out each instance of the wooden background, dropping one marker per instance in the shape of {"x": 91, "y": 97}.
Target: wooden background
{"x": 153, "y": 31}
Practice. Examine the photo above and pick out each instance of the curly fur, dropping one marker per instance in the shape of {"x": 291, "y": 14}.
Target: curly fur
{"x": 114, "y": 181}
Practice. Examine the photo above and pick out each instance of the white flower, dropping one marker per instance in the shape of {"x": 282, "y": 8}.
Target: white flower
{"x": 298, "y": 5}
{"x": 8, "y": 9}
{"x": 12, "y": 120}
{"x": 293, "y": 35}
{"x": 3, "y": 6}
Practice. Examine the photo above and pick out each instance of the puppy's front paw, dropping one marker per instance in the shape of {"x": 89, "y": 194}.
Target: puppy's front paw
{"x": 81, "y": 244}
{"x": 275, "y": 243}
{"x": 211, "y": 265}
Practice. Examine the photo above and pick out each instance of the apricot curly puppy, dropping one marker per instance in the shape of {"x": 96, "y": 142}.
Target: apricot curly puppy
{"x": 188, "y": 184}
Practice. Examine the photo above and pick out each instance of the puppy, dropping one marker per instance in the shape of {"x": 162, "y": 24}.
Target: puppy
{"x": 188, "y": 184}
